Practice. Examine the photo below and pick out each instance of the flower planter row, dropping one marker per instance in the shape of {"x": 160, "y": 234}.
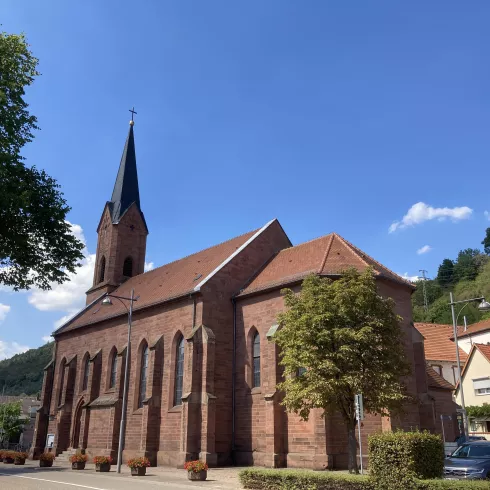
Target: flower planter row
{"x": 13, "y": 457}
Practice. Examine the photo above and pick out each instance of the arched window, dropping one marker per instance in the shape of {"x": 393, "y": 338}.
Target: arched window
{"x": 112, "y": 381}
{"x": 143, "y": 376}
{"x": 86, "y": 372}
{"x": 128, "y": 267}
{"x": 102, "y": 269}
{"x": 256, "y": 360}
{"x": 179, "y": 372}
{"x": 62, "y": 381}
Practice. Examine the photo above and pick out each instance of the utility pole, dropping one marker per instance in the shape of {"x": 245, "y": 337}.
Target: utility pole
{"x": 424, "y": 289}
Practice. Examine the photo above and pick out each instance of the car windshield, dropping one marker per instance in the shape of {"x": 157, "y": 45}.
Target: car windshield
{"x": 475, "y": 451}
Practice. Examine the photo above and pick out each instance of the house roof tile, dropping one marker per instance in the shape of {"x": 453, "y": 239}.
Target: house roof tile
{"x": 328, "y": 255}
{"x": 163, "y": 283}
{"x": 478, "y": 327}
{"x": 435, "y": 380}
{"x": 438, "y": 344}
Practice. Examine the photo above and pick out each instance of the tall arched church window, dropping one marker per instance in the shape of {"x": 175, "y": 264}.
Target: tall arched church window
{"x": 112, "y": 382}
{"x": 62, "y": 382}
{"x": 128, "y": 267}
{"x": 86, "y": 371}
{"x": 102, "y": 269}
{"x": 179, "y": 373}
{"x": 256, "y": 360}
{"x": 143, "y": 376}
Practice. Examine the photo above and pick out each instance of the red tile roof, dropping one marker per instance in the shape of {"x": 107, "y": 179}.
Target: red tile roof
{"x": 478, "y": 327}
{"x": 328, "y": 255}
{"x": 438, "y": 344}
{"x": 162, "y": 284}
{"x": 484, "y": 349}
{"x": 435, "y": 380}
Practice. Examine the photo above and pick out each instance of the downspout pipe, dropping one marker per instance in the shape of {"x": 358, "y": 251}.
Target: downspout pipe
{"x": 233, "y": 385}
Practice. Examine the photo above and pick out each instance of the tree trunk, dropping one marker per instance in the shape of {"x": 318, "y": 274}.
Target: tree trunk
{"x": 352, "y": 446}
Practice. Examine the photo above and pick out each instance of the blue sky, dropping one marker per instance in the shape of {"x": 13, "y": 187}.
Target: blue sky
{"x": 330, "y": 116}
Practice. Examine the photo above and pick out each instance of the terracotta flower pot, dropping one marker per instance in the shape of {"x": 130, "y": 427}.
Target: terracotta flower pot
{"x": 103, "y": 467}
{"x": 78, "y": 465}
{"x": 19, "y": 461}
{"x": 199, "y": 475}
{"x": 138, "y": 471}
{"x": 8, "y": 460}
{"x": 45, "y": 464}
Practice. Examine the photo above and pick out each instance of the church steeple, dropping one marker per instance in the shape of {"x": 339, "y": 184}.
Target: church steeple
{"x": 122, "y": 231}
{"x": 126, "y": 190}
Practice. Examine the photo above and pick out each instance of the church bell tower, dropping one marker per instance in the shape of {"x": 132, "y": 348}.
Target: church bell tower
{"x": 122, "y": 230}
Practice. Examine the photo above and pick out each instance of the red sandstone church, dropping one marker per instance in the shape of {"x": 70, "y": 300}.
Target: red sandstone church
{"x": 203, "y": 369}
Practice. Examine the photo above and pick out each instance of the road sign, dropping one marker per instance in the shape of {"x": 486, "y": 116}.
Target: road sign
{"x": 359, "y": 407}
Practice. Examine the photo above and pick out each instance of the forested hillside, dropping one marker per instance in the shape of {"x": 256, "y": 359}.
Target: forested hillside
{"x": 23, "y": 373}
{"x": 467, "y": 276}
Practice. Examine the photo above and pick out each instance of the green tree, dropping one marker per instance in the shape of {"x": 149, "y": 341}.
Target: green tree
{"x": 445, "y": 273}
{"x": 486, "y": 242}
{"x": 10, "y": 420}
{"x": 466, "y": 265}
{"x": 36, "y": 243}
{"x": 349, "y": 339}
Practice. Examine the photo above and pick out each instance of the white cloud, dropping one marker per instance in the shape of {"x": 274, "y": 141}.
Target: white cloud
{"x": 149, "y": 266}
{"x": 4, "y": 309}
{"x": 424, "y": 249}
{"x": 487, "y": 215}
{"x": 69, "y": 296}
{"x": 64, "y": 319}
{"x": 9, "y": 349}
{"x": 421, "y": 212}
{"x": 409, "y": 278}
{"x": 47, "y": 338}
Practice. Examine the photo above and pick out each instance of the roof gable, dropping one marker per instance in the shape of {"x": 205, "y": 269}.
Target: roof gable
{"x": 176, "y": 279}
{"x": 479, "y": 327}
{"x": 435, "y": 380}
{"x": 328, "y": 255}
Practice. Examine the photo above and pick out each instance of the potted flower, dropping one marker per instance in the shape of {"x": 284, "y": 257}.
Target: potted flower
{"x": 8, "y": 457}
{"x": 138, "y": 466}
{"x": 46, "y": 460}
{"x": 102, "y": 463}
{"x": 78, "y": 461}
{"x": 196, "y": 470}
{"x": 20, "y": 458}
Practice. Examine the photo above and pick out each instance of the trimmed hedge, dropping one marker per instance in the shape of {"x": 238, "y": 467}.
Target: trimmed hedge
{"x": 312, "y": 480}
{"x": 412, "y": 454}
{"x": 302, "y": 480}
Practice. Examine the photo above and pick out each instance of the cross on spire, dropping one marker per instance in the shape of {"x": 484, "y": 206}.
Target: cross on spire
{"x": 133, "y": 112}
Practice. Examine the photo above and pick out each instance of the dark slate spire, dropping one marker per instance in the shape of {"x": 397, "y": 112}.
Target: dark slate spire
{"x": 126, "y": 190}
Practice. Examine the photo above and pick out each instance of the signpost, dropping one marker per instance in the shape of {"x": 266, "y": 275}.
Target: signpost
{"x": 359, "y": 417}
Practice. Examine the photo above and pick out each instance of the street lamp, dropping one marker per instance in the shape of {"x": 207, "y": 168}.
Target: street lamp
{"x": 108, "y": 302}
{"x": 483, "y": 306}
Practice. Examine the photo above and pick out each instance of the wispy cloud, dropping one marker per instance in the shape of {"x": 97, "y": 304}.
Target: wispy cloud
{"x": 149, "y": 266}
{"x": 421, "y": 212}
{"x": 4, "y": 309}
{"x": 47, "y": 338}
{"x": 9, "y": 349}
{"x": 424, "y": 249}
{"x": 409, "y": 278}
{"x": 487, "y": 215}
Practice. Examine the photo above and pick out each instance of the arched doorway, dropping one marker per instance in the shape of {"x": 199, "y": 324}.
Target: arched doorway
{"x": 77, "y": 423}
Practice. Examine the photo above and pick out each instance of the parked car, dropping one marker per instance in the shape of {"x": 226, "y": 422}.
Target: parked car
{"x": 471, "y": 461}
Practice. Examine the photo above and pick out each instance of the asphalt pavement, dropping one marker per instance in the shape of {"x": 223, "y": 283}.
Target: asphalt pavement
{"x": 31, "y": 476}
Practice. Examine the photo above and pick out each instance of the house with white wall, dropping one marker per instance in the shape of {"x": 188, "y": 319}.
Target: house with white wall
{"x": 478, "y": 333}
{"x": 476, "y": 387}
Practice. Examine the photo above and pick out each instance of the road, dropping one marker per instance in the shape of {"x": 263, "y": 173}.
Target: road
{"x": 30, "y": 477}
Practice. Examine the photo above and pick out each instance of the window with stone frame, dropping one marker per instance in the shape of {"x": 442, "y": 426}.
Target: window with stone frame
{"x": 179, "y": 372}
{"x": 62, "y": 381}
{"x": 86, "y": 372}
{"x": 102, "y": 269}
{"x": 143, "y": 376}
{"x": 113, "y": 376}
{"x": 256, "y": 361}
{"x": 128, "y": 267}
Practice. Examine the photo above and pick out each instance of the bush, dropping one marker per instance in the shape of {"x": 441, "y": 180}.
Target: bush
{"x": 78, "y": 458}
{"x": 46, "y": 456}
{"x": 399, "y": 457}
{"x": 195, "y": 466}
{"x": 21, "y": 455}
{"x": 302, "y": 480}
{"x": 102, "y": 460}
{"x": 138, "y": 462}
{"x": 312, "y": 480}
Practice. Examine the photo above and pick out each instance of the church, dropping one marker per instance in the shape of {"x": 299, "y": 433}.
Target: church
{"x": 202, "y": 367}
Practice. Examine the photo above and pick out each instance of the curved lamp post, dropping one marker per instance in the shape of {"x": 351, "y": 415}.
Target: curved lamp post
{"x": 108, "y": 302}
{"x": 483, "y": 306}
